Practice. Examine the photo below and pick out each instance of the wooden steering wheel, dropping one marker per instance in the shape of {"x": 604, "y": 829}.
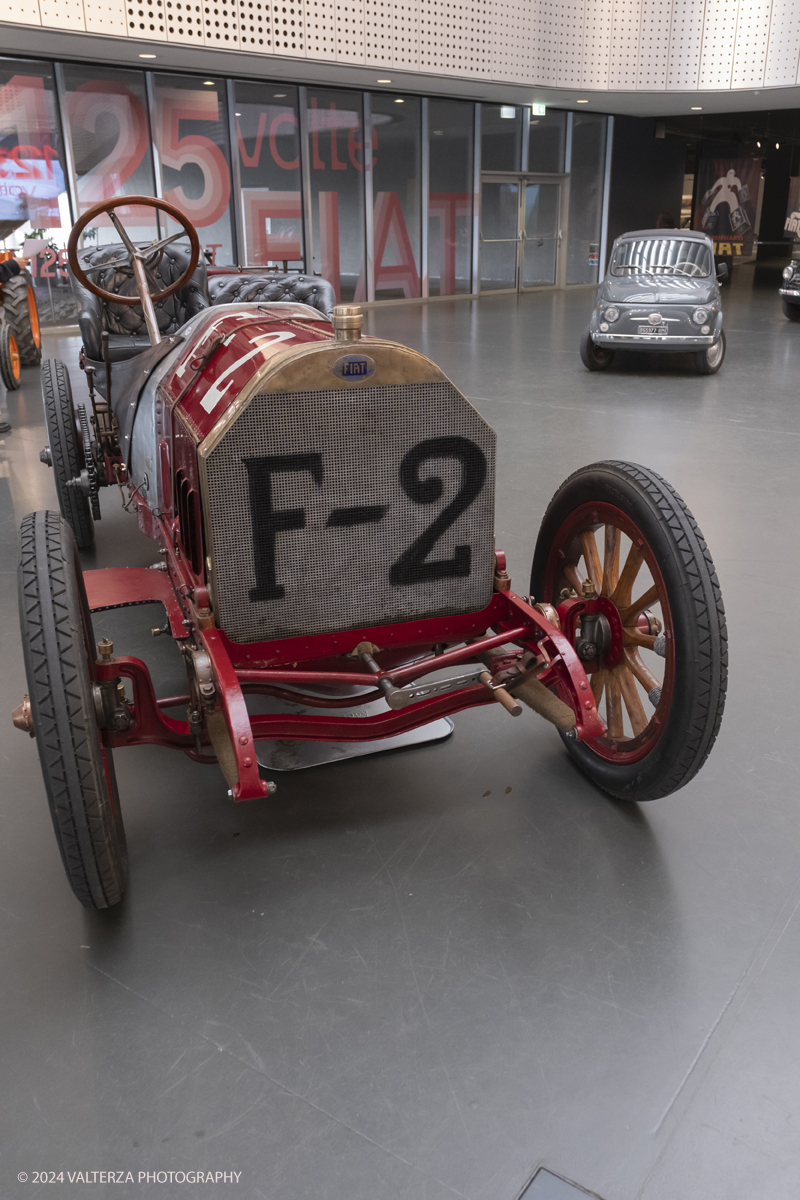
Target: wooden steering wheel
{"x": 137, "y": 259}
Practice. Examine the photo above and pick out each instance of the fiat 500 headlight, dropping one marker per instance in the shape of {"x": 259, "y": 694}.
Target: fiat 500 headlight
{"x": 788, "y": 272}
{"x": 700, "y": 316}
{"x": 611, "y": 314}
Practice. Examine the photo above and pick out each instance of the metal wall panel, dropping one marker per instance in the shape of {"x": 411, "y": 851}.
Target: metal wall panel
{"x": 146, "y": 21}
{"x": 544, "y": 20}
{"x": 752, "y": 39}
{"x": 320, "y": 27}
{"x": 719, "y": 39}
{"x": 570, "y": 42}
{"x": 184, "y": 21}
{"x": 255, "y": 26}
{"x": 511, "y": 40}
{"x": 623, "y": 67}
{"x": 599, "y": 24}
{"x": 405, "y": 35}
{"x": 685, "y": 45}
{"x": 654, "y": 40}
{"x": 221, "y": 24}
{"x": 783, "y": 49}
{"x": 378, "y": 32}
{"x": 350, "y": 31}
{"x": 20, "y": 12}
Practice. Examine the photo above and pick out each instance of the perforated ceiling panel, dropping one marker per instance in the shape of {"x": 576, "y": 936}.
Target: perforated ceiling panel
{"x": 654, "y": 32}
{"x": 255, "y": 25}
{"x": 685, "y": 45}
{"x": 623, "y": 69}
{"x": 599, "y": 23}
{"x": 105, "y": 16}
{"x": 321, "y": 29}
{"x": 350, "y": 30}
{"x": 719, "y": 37}
{"x": 334, "y": 510}
{"x": 184, "y": 22}
{"x": 405, "y": 35}
{"x": 511, "y": 40}
{"x": 619, "y": 45}
{"x": 378, "y": 32}
{"x": 752, "y": 37}
{"x": 544, "y": 22}
{"x": 570, "y": 43}
{"x": 288, "y": 29}
{"x": 783, "y": 50}
{"x": 146, "y": 21}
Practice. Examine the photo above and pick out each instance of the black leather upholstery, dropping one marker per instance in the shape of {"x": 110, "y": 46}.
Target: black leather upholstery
{"x": 298, "y": 289}
{"x": 125, "y": 325}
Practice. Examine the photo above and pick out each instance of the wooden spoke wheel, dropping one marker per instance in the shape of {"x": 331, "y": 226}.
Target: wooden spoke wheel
{"x": 656, "y": 650}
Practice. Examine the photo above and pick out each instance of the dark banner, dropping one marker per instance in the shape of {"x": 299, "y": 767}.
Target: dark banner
{"x": 727, "y": 194}
{"x": 792, "y": 223}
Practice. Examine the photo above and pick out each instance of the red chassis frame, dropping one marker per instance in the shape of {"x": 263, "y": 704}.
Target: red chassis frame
{"x": 267, "y": 667}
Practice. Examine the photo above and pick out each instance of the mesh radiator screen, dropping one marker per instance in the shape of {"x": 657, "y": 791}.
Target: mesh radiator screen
{"x": 333, "y": 510}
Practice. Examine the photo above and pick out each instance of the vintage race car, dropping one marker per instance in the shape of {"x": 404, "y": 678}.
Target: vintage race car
{"x": 660, "y": 293}
{"x": 323, "y": 508}
{"x": 789, "y": 291}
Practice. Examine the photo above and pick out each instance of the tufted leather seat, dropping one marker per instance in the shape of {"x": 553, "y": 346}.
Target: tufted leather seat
{"x": 125, "y": 325}
{"x": 271, "y": 288}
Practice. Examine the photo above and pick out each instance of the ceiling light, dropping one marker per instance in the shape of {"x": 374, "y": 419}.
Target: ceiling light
{"x": 507, "y": 112}
{"x": 147, "y": 56}
{"x": 581, "y": 101}
{"x": 208, "y": 83}
{"x": 777, "y": 145}
{"x": 438, "y": 132}
{"x": 279, "y": 95}
{"x": 399, "y": 101}
{"x": 759, "y": 145}
{"x": 237, "y": 114}
{"x": 383, "y": 81}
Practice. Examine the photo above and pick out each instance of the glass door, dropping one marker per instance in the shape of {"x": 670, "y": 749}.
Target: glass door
{"x": 520, "y": 232}
{"x": 500, "y": 234}
{"x": 541, "y": 234}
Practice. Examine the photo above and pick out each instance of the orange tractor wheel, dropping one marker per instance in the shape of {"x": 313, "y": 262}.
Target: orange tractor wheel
{"x": 21, "y": 313}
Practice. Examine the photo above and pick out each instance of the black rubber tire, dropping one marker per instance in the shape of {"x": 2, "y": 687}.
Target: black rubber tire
{"x": 66, "y": 450}
{"x": 58, "y": 646}
{"x": 9, "y": 359}
{"x": 17, "y": 294}
{"x": 701, "y": 639}
{"x": 594, "y": 358}
{"x": 790, "y": 310}
{"x": 705, "y": 361}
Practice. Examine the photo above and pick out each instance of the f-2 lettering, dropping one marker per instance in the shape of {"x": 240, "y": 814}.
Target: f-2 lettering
{"x": 413, "y": 565}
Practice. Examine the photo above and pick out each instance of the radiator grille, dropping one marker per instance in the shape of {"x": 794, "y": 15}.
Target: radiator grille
{"x": 318, "y": 501}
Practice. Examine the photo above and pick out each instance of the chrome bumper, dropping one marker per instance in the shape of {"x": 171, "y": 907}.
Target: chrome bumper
{"x": 665, "y": 341}
{"x": 793, "y": 292}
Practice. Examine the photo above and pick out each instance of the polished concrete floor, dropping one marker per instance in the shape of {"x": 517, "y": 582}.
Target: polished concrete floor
{"x": 424, "y": 976}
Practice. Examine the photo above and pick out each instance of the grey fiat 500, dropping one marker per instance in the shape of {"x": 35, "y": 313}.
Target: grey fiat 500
{"x": 661, "y": 293}
{"x": 789, "y": 291}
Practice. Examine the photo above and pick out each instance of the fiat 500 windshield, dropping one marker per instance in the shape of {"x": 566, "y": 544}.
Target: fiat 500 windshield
{"x": 667, "y": 256}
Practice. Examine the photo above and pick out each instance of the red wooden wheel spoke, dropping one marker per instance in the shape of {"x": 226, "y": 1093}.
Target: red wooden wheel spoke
{"x": 575, "y": 578}
{"x": 633, "y": 704}
{"x": 614, "y": 705}
{"x": 592, "y": 559}
{"x": 638, "y": 668}
{"x": 621, "y": 595}
{"x": 610, "y": 560}
{"x": 628, "y": 615}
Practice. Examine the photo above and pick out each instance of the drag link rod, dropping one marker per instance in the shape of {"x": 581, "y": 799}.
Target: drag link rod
{"x": 531, "y": 691}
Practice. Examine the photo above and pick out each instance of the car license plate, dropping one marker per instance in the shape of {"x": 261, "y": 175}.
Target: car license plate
{"x": 651, "y": 330}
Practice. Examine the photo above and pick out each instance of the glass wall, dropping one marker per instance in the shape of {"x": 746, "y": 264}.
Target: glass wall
{"x": 501, "y": 137}
{"x": 336, "y": 172}
{"x": 230, "y": 155}
{"x": 110, "y": 136}
{"x": 190, "y": 121}
{"x": 450, "y": 199}
{"x": 267, "y": 126}
{"x": 546, "y": 142}
{"x": 586, "y": 197}
{"x": 397, "y": 195}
